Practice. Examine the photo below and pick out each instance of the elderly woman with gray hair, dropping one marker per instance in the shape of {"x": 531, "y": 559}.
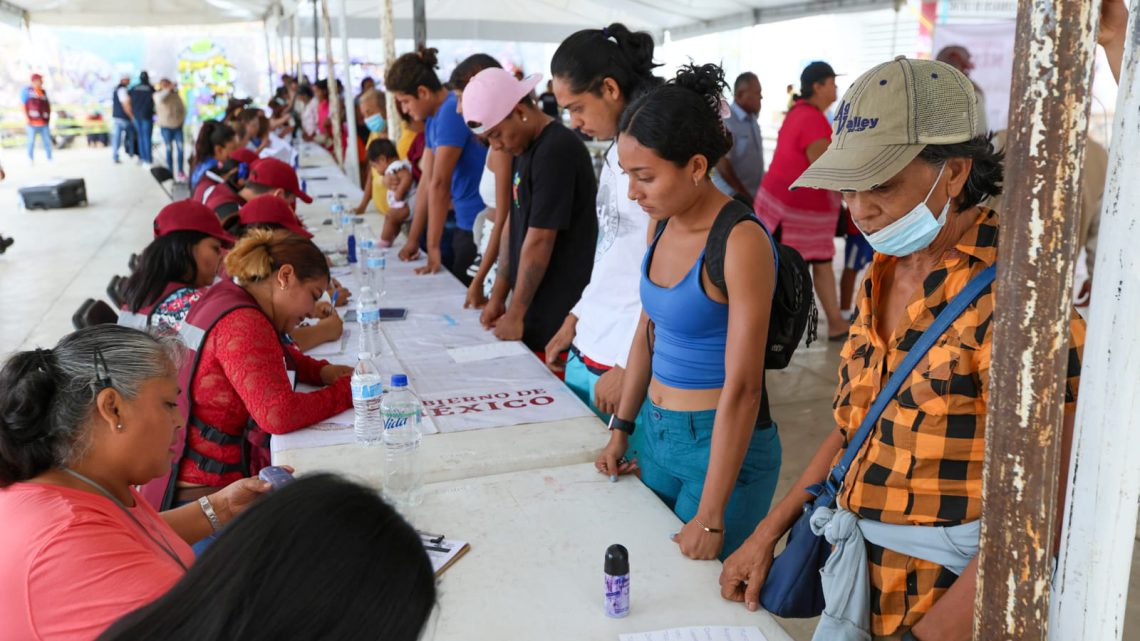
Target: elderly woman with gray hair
{"x": 80, "y": 425}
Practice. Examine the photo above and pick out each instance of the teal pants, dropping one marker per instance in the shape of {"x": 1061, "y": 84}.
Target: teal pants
{"x": 582, "y": 381}
{"x": 675, "y": 458}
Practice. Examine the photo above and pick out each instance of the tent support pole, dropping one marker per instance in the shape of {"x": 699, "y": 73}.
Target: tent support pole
{"x": 1053, "y": 56}
{"x": 1100, "y": 514}
{"x": 334, "y": 95}
{"x": 388, "y": 32}
{"x": 352, "y": 160}
{"x": 419, "y": 18}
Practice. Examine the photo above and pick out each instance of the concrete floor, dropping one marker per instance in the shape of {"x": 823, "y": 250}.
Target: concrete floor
{"x": 62, "y": 257}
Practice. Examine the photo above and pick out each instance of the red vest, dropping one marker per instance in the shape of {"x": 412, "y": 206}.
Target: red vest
{"x": 140, "y": 320}
{"x": 37, "y": 107}
{"x": 218, "y": 301}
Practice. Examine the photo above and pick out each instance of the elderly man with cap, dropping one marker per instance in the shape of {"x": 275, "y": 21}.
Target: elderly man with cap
{"x": 266, "y": 176}
{"x": 553, "y": 228}
{"x": 912, "y": 163}
{"x": 37, "y": 109}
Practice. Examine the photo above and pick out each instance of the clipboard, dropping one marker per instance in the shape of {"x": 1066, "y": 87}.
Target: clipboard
{"x": 442, "y": 551}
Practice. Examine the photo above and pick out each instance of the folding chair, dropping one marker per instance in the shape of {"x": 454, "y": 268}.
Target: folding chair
{"x": 94, "y": 312}
{"x": 116, "y": 291}
{"x": 162, "y": 175}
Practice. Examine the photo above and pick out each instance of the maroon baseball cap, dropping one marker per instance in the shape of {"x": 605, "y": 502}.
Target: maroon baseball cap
{"x": 244, "y": 155}
{"x": 268, "y": 208}
{"x": 190, "y": 215}
{"x": 36, "y": 76}
{"x": 274, "y": 173}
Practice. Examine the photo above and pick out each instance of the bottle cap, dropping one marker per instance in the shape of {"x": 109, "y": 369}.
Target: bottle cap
{"x": 617, "y": 560}
{"x": 399, "y": 380}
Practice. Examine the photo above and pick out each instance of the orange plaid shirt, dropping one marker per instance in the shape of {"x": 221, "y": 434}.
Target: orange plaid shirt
{"x": 923, "y": 463}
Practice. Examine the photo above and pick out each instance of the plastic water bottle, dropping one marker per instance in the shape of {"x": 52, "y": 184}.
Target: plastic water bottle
{"x": 368, "y": 315}
{"x": 376, "y": 262}
{"x": 336, "y": 210}
{"x": 403, "y": 473}
{"x": 367, "y": 395}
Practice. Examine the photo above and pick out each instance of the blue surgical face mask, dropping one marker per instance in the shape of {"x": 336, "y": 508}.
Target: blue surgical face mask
{"x": 375, "y": 123}
{"x": 914, "y": 231}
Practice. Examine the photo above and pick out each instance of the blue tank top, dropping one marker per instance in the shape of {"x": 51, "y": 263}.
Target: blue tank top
{"x": 690, "y": 329}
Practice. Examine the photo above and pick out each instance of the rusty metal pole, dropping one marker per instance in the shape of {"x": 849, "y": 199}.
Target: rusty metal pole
{"x": 1049, "y": 108}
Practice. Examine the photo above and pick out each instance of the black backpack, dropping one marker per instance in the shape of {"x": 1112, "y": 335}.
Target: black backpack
{"x": 793, "y": 304}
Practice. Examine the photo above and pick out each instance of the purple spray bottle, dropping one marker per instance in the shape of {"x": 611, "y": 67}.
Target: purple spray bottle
{"x": 617, "y": 581}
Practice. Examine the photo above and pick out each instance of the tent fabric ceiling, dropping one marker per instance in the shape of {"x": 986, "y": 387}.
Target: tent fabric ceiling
{"x": 534, "y": 20}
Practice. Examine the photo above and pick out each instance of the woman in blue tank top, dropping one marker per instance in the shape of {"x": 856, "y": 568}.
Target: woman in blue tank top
{"x": 708, "y": 450}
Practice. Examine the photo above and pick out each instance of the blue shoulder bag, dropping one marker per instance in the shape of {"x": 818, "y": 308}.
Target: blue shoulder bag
{"x": 793, "y": 589}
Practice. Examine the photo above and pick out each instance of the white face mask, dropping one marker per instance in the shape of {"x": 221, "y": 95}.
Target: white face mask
{"x": 914, "y": 231}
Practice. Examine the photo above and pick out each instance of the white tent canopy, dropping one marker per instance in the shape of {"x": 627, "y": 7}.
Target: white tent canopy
{"x": 532, "y": 20}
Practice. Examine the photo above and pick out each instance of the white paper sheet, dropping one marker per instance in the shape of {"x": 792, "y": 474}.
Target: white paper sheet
{"x": 699, "y": 633}
{"x": 331, "y": 348}
{"x": 487, "y": 351}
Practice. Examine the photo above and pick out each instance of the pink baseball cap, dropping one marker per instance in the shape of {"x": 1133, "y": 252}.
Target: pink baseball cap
{"x": 491, "y": 95}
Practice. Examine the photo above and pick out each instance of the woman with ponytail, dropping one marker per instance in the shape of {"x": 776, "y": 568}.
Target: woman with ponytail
{"x": 237, "y": 385}
{"x": 710, "y": 450}
{"x": 80, "y": 424}
{"x": 597, "y": 74}
{"x": 216, "y": 141}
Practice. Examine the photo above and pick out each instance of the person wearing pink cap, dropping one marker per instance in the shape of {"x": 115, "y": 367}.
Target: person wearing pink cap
{"x": 553, "y": 230}
{"x": 175, "y": 268}
{"x": 37, "y": 109}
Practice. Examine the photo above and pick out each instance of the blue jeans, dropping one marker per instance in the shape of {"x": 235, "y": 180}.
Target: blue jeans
{"x": 582, "y": 381}
{"x": 145, "y": 127}
{"x": 45, "y": 133}
{"x": 172, "y": 136}
{"x": 118, "y": 128}
{"x": 675, "y": 459}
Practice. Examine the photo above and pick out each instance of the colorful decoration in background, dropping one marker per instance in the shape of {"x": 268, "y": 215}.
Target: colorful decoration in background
{"x": 206, "y": 79}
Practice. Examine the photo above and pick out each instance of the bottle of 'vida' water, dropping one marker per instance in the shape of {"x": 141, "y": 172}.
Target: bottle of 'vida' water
{"x": 403, "y": 473}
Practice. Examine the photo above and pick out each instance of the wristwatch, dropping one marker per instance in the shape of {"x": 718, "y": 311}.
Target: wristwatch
{"x": 621, "y": 424}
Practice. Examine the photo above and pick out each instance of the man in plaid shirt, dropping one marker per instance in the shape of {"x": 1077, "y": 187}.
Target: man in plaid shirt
{"x": 913, "y": 163}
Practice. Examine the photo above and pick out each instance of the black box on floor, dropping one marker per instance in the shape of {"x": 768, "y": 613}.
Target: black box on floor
{"x": 64, "y": 192}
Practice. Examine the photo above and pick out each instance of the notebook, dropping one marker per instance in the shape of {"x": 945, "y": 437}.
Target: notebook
{"x": 442, "y": 551}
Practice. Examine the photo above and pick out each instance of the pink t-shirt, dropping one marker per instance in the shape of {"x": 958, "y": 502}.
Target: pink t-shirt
{"x": 72, "y": 563}
{"x": 803, "y": 125}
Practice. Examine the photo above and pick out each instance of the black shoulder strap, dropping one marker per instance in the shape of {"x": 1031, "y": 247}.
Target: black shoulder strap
{"x": 717, "y": 244}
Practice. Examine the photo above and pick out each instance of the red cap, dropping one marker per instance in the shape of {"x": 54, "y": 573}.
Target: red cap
{"x": 268, "y": 208}
{"x": 36, "y": 76}
{"x": 274, "y": 173}
{"x": 190, "y": 215}
{"x": 244, "y": 155}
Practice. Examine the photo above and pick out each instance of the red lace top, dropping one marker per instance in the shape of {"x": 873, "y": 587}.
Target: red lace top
{"x": 241, "y": 374}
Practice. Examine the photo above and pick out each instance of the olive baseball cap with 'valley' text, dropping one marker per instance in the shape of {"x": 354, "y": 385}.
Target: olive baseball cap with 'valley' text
{"x": 889, "y": 115}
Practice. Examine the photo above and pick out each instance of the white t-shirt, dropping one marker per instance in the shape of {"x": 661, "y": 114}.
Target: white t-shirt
{"x": 610, "y": 306}
{"x": 394, "y": 168}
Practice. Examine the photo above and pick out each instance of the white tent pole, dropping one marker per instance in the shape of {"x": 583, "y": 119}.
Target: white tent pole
{"x": 334, "y": 95}
{"x": 268, "y": 57}
{"x": 352, "y": 160}
{"x": 1104, "y": 478}
{"x": 388, "y": 32}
